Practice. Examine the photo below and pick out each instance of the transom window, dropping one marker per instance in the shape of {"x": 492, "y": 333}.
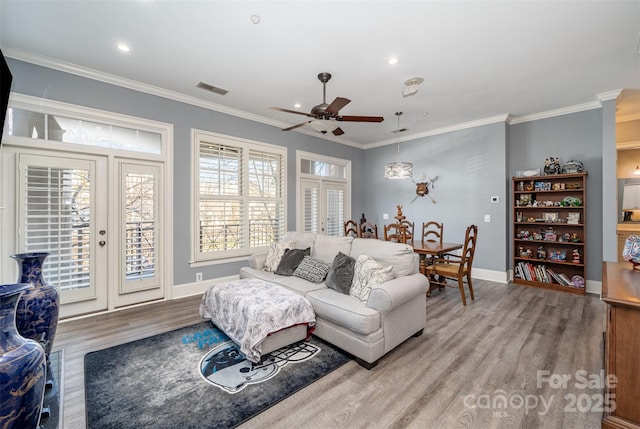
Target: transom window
{"x": 240, "y": 199}
{"x": 76, "y": 130}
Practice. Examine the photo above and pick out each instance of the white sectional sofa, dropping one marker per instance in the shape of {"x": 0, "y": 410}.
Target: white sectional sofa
{"x": 394, "y": 311}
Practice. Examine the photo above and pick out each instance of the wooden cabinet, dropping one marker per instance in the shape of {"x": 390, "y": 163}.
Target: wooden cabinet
{"x": 621, "y": 292}
{"x": 549, "y": 234}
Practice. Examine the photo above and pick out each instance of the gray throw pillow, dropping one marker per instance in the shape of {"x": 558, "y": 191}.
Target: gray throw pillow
{"x": 312, "y": 269}
{"x": 290, "y": 261}
{"x": 340, "y": 274}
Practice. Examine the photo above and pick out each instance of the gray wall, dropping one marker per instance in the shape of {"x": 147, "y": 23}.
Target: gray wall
{"x": 575, "y": 136}
{"x": 471, "y": 166}
{"x": 42, "y": 82}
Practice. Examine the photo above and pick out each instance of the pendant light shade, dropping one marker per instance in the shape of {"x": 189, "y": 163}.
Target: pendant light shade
{"x": 398, "y": 169}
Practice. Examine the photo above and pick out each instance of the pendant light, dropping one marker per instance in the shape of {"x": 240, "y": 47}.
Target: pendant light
{"x": 398, "y": 169}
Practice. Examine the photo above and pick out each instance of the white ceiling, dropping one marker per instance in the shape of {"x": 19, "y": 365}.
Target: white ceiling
{"x": 479, "y": 59}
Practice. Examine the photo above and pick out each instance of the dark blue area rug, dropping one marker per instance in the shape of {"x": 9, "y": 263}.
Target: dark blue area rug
{"x": 195, "y": 377}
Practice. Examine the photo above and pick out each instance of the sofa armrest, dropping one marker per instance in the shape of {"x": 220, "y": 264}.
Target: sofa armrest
{"x": 394, "y": 293}
{"x": 256, "y": 261}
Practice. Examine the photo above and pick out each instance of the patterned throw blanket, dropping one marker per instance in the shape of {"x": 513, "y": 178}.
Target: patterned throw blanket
{"x": 248, "y": 310}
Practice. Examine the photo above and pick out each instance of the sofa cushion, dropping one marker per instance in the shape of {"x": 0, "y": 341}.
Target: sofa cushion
{"x": 298, "y": 285}
{"x": 368, "y": 273}
{"x": 290, "y": 261}
{"x": 340, "y": 275}
{"x": 312, "y": 269}
{"x": 326, "y": 248}
{"x": 276, "y": 250}
{"x": 400, "y": 256}
{"x": 344, "y": 310}
{"x": 302, "y": 239}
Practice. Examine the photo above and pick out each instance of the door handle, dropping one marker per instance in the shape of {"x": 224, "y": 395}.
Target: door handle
{"x": 102, "y": 243}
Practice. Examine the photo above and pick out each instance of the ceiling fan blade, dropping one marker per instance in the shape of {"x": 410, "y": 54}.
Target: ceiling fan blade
{"x": 338, "y": 132}
{"x": 414, "y": 198}
{"x": 360, "y": 118}
{"x": 432, "y": 200}
{"x": 296, "y": 126}
{"x": 280, "y": 109}
{"x": 336, "y": 105}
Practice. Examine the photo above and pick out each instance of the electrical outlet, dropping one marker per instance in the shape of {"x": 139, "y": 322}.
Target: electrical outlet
{"x": 487, "y": 218}
{"x": 198, "y": 277}
{"x": 495, "y": 199}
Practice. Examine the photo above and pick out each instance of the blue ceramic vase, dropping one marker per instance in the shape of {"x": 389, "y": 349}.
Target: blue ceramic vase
{"x": 22, "y": 366}
{"x": 38, "y": 308}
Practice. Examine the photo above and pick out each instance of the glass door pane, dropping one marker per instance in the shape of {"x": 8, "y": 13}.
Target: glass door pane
{"x": 58, "y": 214}
{"x": 140, "y": 229}
{"x": 334, "y": 208}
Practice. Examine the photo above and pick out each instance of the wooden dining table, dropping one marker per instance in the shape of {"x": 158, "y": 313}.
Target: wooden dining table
{"x": 434, "y": 249}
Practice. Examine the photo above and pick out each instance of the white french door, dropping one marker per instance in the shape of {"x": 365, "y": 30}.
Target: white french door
{"x": 322, "y": 206}
{"x": 99, "y": 217}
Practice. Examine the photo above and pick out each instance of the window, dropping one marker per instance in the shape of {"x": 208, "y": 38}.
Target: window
{"x": 240, "y": 196}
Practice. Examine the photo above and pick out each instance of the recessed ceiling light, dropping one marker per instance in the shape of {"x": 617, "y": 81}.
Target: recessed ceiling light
{"x": 392, "y": 60}
{"x": 123, "y": 47}
{"x": 255, "y": 19}
{"x": 297, "y": 105}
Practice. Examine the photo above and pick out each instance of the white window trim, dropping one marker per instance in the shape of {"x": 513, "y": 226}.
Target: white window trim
{"x": 300, "y": 155}
{"x": 233, "y": 255}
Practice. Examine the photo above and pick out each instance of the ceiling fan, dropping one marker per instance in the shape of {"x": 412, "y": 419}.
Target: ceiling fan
{"x": 325, "y": 115}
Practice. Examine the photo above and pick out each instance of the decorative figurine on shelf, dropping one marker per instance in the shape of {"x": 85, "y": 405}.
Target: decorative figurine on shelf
{"x": 552, "y": 165}
{"x": 542, "y": 253}
{"x": 565, "y": 237}
{"x": 559, "y": 255}
{"x": 524, "y": 234}
{"x": 575, "y": 238}
{"x": 537, "y": 236}
{"x": 575, "y": 258}
{"x": 521, "y": 186}
{"x": 577, "y": 281}
{"x": 526, "y": 253}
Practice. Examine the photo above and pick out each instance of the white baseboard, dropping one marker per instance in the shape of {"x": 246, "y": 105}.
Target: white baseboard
{"x": 198, "y": 288}
{"x": 491, "y": 275}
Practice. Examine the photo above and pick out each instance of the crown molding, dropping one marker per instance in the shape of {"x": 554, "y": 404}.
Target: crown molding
{"x": 609, "y": 95}
{"x": 443, "y": 130}
{"x": 557, "y": 112}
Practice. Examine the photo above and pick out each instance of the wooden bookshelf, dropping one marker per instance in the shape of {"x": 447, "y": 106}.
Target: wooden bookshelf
{"x": 549, "y": 219}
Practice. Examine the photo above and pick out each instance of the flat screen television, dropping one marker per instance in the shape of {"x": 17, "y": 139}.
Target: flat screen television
{"x": 5, "y": 89}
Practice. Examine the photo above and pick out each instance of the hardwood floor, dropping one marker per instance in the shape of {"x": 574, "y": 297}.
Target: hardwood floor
{"x": 473, "y": 367}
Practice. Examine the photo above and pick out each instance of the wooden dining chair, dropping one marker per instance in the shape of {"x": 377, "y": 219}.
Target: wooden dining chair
{"x": 455, "y": 267}
{"x": 368, "y": 230}
{"x": 432, "y": 232}
{"x": 395, "y": 232}
{"x": 409, "y": 229}
{"x": 351, "y": 229}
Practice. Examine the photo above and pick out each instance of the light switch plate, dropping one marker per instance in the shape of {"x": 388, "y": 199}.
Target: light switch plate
{"x": 487, "y": 218}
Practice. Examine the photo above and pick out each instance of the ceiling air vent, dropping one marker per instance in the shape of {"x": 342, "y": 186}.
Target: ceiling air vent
{"x": 212, "y": 88}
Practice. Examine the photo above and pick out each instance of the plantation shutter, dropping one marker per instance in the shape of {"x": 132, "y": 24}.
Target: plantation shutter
{"x": 311, "y": 206}
{"x": 57, "y": 215}
{"x": 220, "y": 189}
{"x": 266, "y": 200}
{"x": 335, "y": 211}
{"x": 241, "y": 199}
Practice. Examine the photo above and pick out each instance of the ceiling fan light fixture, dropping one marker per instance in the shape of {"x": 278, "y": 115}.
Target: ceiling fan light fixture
{"x": 398, "y": 169}
{"x": 323, "y": 125}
